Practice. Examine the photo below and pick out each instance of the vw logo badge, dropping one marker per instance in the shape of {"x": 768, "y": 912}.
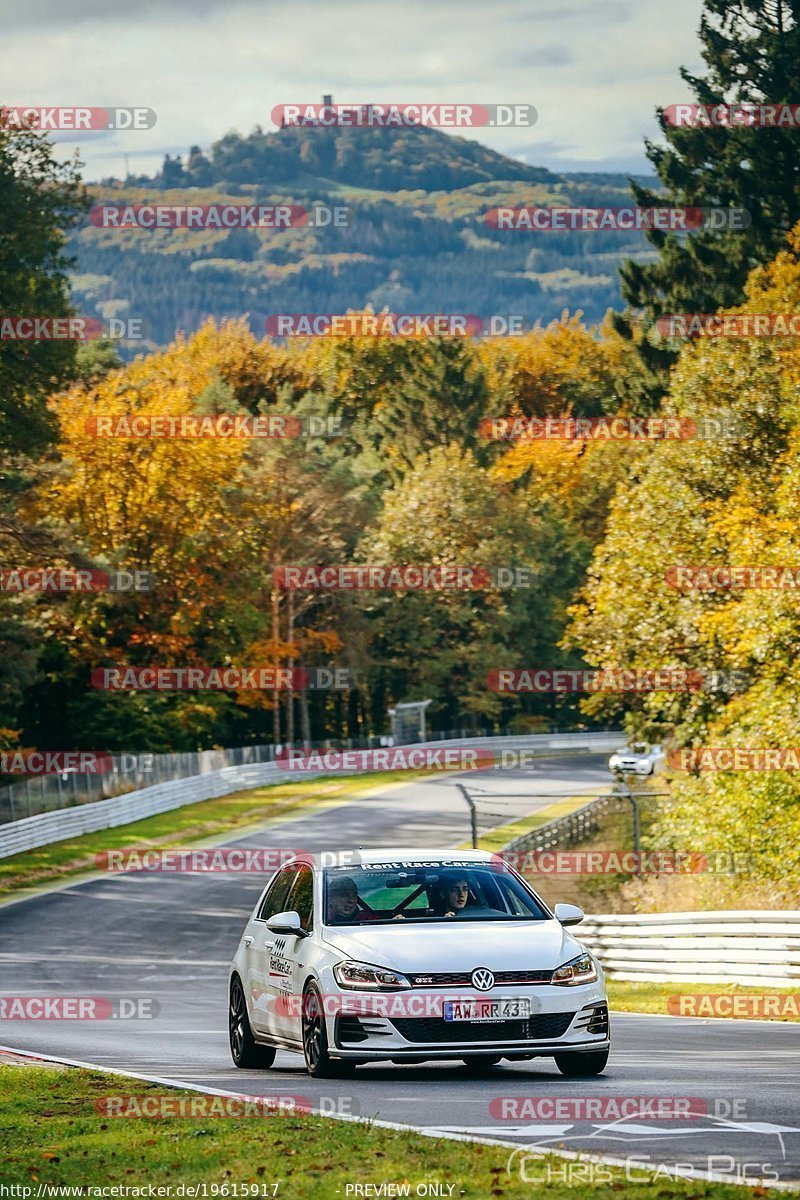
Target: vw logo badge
{"x": 482, "y": 979}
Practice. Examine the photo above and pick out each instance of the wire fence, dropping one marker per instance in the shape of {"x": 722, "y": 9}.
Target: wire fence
{"x": 129, "y": 771}
{"x": 573, "y": 828}
{"x": 619, "y": 812}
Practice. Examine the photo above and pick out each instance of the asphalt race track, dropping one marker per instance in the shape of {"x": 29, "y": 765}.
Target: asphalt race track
{"x": 171, "y": 937}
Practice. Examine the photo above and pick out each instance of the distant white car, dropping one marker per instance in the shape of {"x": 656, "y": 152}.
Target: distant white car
{"x": 409, "y": 955}
{"x": 637, "y": 759}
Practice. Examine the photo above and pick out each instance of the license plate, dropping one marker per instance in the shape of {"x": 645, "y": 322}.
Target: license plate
{"x": 487, "y": 1010}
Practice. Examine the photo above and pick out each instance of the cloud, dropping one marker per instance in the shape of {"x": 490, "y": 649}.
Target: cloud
{"x": 595, "y": 73}
{"x": 543, "y": 56}
{"x": 58, "y": 14}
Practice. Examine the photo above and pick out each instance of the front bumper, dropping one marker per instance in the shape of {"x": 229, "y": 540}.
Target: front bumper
{"x": 561, "y": 1021}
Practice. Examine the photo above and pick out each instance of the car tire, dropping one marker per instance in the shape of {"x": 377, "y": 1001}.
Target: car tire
{"x": 478, "y": 1063}
{"x": 581, "y": 1064}
{"x": 246, "y": 1052}
{"x": 319, "y": 1063}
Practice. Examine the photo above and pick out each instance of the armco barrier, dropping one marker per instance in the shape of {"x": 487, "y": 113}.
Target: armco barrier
{"x": 755, "y": 947}
{"x": 575, "y": 827}
{"x": 41, "y": 830}
{"x": 35, "y": 794}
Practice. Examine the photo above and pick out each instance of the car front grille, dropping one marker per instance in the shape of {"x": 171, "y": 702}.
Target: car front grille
{"x": 435, "y": 1029}
{"x": 464, "y": 978}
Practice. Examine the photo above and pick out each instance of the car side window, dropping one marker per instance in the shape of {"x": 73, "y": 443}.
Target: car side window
{"x": 275, "y": 899}
{"x": 301, "y": 897}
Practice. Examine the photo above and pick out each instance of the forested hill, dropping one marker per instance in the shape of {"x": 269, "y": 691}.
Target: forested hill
{"x": 383, "y": 159}
{"x": 416, "y": 240}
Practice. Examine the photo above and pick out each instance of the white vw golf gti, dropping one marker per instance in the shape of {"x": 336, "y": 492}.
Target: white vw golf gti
{"x": 409, "y": 955}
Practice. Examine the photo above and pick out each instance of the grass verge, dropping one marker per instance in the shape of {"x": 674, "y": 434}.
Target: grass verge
{"x": 208, "y": 819}
{"x": 687, "y": 999}
{"x": 52, "y": 1133}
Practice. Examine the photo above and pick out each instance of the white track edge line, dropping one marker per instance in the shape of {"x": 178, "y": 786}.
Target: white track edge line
{"x": 574, "y": 1155}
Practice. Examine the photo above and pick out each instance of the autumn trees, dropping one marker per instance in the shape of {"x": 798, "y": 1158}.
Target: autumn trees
{"x": 726, "y": 501}
{"x": 409, "y": 476}
{"x": 405, "y": 476}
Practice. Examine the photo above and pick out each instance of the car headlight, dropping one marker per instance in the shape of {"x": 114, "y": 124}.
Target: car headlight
{"x": 364, "y": 976}
{"x": 578, "y": 970}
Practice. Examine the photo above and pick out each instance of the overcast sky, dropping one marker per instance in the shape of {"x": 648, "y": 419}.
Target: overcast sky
{"x": 594, "y": 69}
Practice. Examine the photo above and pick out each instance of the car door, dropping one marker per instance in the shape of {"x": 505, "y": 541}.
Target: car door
{"x": 259, "y": 983}
{"x": 292, "y": 955}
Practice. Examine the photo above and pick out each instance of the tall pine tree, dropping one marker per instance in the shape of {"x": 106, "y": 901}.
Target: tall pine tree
{"x": 40, "y": 199}
{"x": 752, "y": 52}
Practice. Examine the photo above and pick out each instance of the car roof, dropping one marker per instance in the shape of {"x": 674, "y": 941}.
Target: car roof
{"x": 391, "y": 854}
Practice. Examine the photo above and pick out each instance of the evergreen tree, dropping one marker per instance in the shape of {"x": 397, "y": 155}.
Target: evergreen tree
{"x": 40, "y": 199}
{"x": 752, "y": 52}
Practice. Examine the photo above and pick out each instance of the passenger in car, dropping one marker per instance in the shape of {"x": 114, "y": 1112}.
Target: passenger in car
{"x": 451, "y": 896}
{"x": 342, "y": 899}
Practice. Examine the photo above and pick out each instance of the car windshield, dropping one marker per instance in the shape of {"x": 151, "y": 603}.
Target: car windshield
{"x": 430, "y": 892}
{"x": 640, "y": 748}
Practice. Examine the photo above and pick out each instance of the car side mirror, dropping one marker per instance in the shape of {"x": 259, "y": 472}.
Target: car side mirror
{"x": 569, "y": 914}
{"x": 286, "y": 922}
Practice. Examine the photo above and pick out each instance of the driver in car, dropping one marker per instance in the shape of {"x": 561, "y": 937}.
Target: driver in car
{"x": 451, "y": 896}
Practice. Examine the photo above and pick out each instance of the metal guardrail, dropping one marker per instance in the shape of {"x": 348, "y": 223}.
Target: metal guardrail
{"x": 49, "y": 793}
{"x": 761, "y": 948}
{"x": 44, "y": 828}
{"x": 131, "y": 772}
{"x": 567, "y": 831}
{"x": 41, "y": 830}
